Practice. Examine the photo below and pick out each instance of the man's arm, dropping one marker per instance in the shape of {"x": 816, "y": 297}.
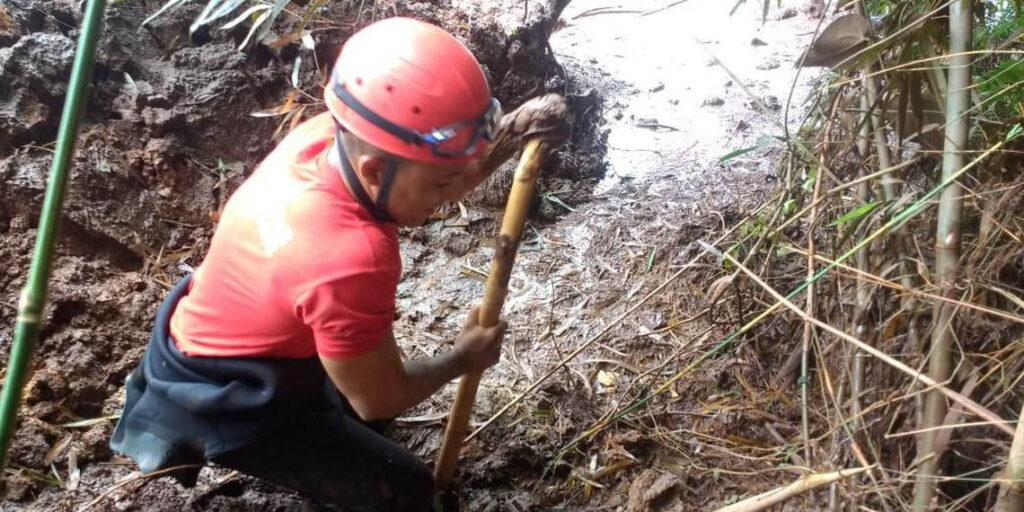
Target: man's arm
{"x": 379, "y": 385}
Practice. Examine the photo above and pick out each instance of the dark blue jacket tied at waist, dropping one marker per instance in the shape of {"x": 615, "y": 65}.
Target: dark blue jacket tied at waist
{"x": 183, "y": 410}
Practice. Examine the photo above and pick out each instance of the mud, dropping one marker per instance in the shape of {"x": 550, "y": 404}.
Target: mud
{"x": 169, "y": 134}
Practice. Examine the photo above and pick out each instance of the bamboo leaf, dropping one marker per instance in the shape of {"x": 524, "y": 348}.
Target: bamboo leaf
{"x": 902, "y": 103}
{"x": 90, "y": 422}
{"x": 735, "y": 153}
{"x": 736, "y": 6}
{"x": 764, "y": 140}
{"x": 244, "y": 16}
{"x": 161, "y": 10}
{"x": 279, "y": 6}
{"x": 252, "y": 30}
{"x": 1014, "y": 132}
{"x": 213, "y": 11}
{"x": 295, "y": 71}
{"x": 857, "y": 213}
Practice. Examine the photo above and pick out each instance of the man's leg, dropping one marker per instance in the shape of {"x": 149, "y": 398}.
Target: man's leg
{"x": 332, "y": 458}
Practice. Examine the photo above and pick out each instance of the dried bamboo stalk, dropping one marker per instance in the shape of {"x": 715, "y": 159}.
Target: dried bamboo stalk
{"x": 776, "y": 496}
{"x": 861, "y": 327}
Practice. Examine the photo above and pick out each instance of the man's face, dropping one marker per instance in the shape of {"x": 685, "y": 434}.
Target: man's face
{"x": 419, "y": 189}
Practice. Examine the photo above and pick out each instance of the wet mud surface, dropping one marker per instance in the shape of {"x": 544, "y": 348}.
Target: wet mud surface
{"x": 169, "y": 133}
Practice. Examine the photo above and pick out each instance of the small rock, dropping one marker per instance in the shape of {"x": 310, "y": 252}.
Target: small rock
{"x": 658, "y": 87}
{"x": 729, "y": 83}
{"x": 20, "y": 223}
{"x": 771, "y": 63}
{"x": 788, "y": 13}
{"x": 758, "y": 42}
{"x": 662, "y": 490}
{"x": 654, "y": 321}
{"x": 712, "y": 61}
{"x": 773, "y": 103}
{"x": 618, "y": 115}
{"x": 673, "y": 101}
{"x": 742, "y": 125}
{"x": 637, "y": 491}
{"x": 714, "y": 101}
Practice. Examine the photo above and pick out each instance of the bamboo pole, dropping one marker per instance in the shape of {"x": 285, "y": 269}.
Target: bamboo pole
{"x": 947, "y": 245}
{"x": 861, "y": 326}
{"x": 523, "y": 185}
{"x": 1011, "y": 493}
{"x": 33, "y": 297}
{"x": 802, "y": 485}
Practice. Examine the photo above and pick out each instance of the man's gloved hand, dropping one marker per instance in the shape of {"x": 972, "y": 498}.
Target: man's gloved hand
{"x": 478, "y": 346}
{"x": 545, "y": 116}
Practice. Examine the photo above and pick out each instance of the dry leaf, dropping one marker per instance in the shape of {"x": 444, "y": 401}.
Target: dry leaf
{"x": 843, "y": 37}
{"x": 57, "y": 449}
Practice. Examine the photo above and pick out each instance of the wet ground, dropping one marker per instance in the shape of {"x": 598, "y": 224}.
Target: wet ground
{"x": 619, "y": 211}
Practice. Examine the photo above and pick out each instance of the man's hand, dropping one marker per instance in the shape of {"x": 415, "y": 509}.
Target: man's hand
{"x": 379, "y": 385}
{"x": 546, "y": 117}
{"x": 479, "y": 347}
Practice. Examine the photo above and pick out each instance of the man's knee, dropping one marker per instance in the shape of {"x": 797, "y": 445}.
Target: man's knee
{"x": 418, "y": 491}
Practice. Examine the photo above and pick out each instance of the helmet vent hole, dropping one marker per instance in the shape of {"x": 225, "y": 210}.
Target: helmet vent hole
{"x": 389, "y": 88}
{"x": 416, "y": 110}
{"x": 359, "y": 81}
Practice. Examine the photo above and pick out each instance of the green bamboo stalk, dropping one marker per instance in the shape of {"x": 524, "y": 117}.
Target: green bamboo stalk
{"x": 33, "y": 297}
{"x": 1011, "y": 493}
{"x": 947, "y": 246}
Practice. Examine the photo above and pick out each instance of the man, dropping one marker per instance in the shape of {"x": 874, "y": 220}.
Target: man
{"x": 298, "y": 288}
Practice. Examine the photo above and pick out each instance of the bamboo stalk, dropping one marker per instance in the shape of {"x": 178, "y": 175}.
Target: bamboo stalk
{"x": 523, "y": 186}
{"x": 861, "y": 327}
{"x": 33, "y": 297}
{"x": 947, "y": 245}
{"x": 781, "y": 494}
{"x": 808, "y": 328}
{"x": 1011, "y": 493}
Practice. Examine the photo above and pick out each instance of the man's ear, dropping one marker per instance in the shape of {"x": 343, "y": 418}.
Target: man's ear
{"x": 371, "y": 169}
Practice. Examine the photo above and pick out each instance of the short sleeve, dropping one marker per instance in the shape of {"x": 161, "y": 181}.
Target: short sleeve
{"x": 351, "y": 315}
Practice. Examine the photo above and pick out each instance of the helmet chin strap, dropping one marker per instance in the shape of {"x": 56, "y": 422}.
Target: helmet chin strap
{"x": 379, "y": 207}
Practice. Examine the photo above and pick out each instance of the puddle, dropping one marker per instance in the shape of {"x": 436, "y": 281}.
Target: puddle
{"x": 677, "y": 112}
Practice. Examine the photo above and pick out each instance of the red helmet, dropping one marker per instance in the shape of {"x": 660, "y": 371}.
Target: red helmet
{"x": 412, "y": 90}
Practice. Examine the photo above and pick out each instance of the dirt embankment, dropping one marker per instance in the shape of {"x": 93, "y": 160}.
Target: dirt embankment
{"x": 167, "y": 136}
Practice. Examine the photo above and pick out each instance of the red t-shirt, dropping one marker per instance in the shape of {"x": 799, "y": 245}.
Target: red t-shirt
{"x": 297, "y": 267}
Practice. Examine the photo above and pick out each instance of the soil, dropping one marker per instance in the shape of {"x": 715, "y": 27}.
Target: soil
{"x": 169, "y": 133}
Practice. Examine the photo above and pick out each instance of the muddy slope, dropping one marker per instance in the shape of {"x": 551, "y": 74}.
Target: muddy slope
{"x": 167, "y": 136}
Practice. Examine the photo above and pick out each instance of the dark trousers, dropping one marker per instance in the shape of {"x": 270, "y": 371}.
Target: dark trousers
{"x": 331, "y": 457}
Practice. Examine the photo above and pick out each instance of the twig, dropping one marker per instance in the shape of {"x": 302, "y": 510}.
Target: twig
{"x": 604, "y": 10}
{"x": 898, "y": 287}
{"x": 660, "y": 9}
{"x": 134, "y": 478}
{"x": 969, "y": 404}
